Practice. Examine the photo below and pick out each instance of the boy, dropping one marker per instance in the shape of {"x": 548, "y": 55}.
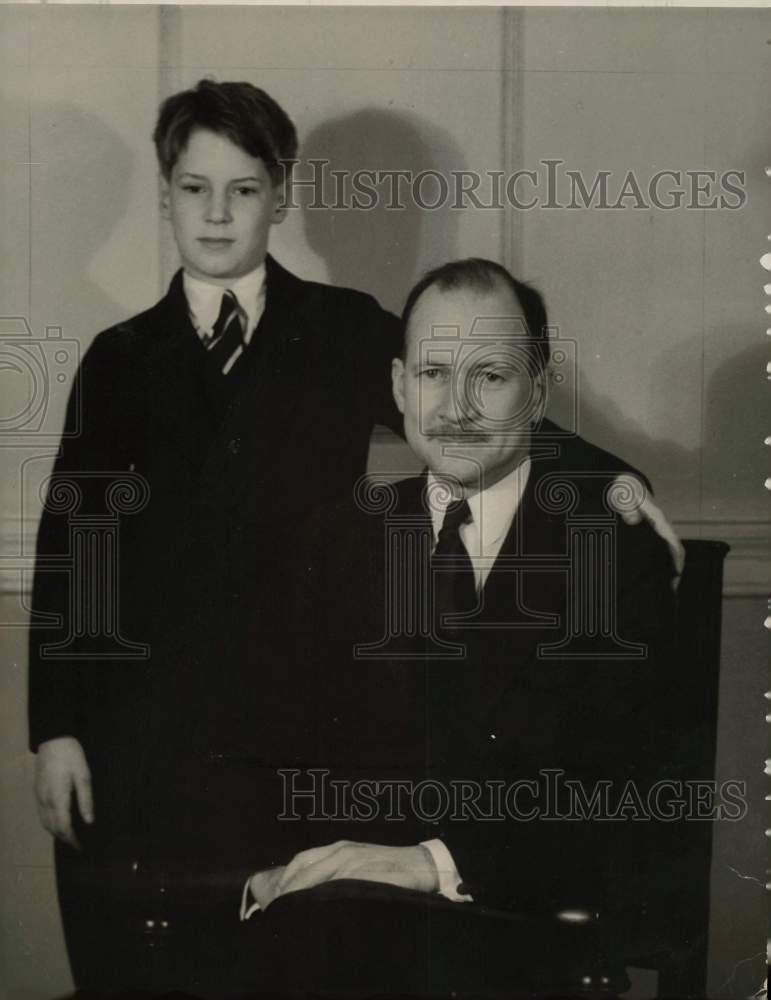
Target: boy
{"x": 243, "y": 398}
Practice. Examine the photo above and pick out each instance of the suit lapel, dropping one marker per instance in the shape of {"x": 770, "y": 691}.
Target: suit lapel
{"x": 267, "y": 397}
{"x": 174, "y": 385}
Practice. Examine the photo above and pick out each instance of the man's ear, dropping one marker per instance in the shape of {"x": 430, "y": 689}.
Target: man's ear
{"x": 165, "y": 197}
{"x": 540, "y": 399}
{"x": 397, "y": 383}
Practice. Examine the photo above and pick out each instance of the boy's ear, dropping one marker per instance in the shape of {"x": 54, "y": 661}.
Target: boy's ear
{"x": 165, "y": 197}
{"x": 279, "y": 203}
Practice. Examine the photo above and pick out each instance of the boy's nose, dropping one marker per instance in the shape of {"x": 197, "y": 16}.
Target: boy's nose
{"x": 218, "y": 208}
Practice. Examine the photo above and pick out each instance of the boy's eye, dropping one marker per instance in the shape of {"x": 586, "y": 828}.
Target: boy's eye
{"x": 245, "y": 190}
{"x": 192, "y": 188}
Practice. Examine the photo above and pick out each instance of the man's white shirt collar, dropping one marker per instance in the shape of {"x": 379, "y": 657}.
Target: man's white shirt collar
{"x": 492, "y": 512}
{"x": 204, "y": 300}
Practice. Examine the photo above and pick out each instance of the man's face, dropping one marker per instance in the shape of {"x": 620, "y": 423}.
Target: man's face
{"x": 221, "y": 203}
{"x": 464, "y": 387}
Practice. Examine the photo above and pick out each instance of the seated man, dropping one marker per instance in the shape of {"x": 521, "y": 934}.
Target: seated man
{"x": 485, "y": 647}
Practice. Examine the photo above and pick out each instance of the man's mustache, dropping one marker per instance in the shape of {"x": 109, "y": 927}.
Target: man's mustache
{"x": 456, "y": 433}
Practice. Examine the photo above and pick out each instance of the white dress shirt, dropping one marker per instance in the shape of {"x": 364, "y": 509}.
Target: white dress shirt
{"x": 492, "y": 512}
{"x": 204, "y": 301}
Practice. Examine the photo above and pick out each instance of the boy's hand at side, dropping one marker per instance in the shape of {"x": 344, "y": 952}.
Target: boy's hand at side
{"x": 60, "y": 768}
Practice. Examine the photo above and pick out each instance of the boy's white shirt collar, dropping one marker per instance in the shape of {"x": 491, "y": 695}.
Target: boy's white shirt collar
{"x": 204, "y": 299}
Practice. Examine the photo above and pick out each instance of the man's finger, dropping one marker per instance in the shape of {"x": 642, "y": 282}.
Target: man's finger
{"x": 311, "y": 875}
{"x": 264, "y": 889}
{"x": 84, "y": 796}
{"x": 306, "y": 858}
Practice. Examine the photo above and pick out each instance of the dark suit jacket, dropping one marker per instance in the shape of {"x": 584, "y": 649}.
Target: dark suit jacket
{"x": 230, "y": 467}
{"x": 507, "y": 710}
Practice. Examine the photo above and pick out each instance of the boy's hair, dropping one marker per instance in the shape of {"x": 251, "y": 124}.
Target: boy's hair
{"x": 241, "y": 112}
{"x": 480, "y": 275}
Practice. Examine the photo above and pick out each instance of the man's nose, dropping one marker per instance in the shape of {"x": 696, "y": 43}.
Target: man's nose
{"x": 446, "y": 402}
{"x": 218, "y": 207}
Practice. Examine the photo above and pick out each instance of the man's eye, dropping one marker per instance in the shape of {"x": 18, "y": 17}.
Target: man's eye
{"x": 432, "y": 374}
{"x": 495, "y": 376}
{"x": 245, "y": 191}
{"x": 192, "y": 188}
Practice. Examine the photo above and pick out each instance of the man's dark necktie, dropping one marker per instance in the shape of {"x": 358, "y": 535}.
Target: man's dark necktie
{"x": 448, "y": 679}
{"x": 454, "y": 582}
{"x": 227, "y": 335}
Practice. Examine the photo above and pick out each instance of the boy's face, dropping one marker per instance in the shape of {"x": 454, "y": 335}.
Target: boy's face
{"x": 221, "y": 203}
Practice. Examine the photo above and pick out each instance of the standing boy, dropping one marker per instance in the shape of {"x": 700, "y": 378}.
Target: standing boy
{"x": 242, "y": 399}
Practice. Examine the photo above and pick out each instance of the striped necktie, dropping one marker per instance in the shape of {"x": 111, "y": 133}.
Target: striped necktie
{"x": 227, "y": 341}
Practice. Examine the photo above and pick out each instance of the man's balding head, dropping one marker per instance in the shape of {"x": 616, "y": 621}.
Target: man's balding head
{"x": 471, "y": 381}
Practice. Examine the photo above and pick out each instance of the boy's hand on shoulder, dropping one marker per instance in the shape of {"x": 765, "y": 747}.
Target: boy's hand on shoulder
{"x": 634, "y": 505}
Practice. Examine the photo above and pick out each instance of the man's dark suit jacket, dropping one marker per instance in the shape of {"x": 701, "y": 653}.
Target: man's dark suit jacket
{"x": 232, "y": 467}
{"x": 506, "y": 711}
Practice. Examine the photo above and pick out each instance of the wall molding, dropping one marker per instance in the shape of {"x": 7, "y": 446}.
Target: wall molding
{"x": 747, "y": 566}
{"x": 512, "y": 132}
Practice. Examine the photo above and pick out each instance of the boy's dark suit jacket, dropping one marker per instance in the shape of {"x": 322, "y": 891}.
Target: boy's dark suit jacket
{"x": 232, "y": 467}
{"x": 504, "y": 712}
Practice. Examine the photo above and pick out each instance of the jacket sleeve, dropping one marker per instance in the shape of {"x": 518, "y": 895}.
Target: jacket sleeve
{"x": 382, "y": 343}
{"x": 91, "y": 444}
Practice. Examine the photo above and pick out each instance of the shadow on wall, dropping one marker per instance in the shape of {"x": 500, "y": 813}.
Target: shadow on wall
{"x": 736, "y": 424}
{"x": 672, "y": 469}
{"x": 378, "y": 249}
{"x": 80, "y": 177}
{"x": 80, "y": 190}
{"x": 722, "y": 479}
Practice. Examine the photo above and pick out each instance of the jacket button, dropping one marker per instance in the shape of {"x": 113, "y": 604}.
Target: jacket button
{"x": 234, "y": 446}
